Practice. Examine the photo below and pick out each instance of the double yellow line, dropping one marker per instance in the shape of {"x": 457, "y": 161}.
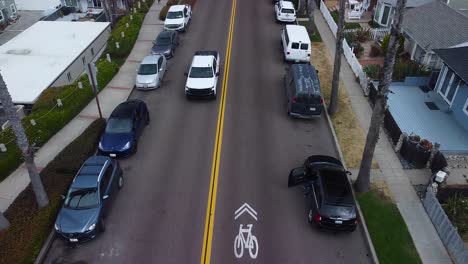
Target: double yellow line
{"x": 210, "y": 210}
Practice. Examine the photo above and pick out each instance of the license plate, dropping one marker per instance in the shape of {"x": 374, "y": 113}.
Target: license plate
{"x": 73, "y": 239}
{"x": 338, "y": 222}
{"x": 112, "y": 155}
{"x": 312, "y": 109}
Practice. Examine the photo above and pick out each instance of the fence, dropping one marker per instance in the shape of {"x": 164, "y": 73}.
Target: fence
{"x": 347, "y": 51}
{"x": 447, "y": 232}
{"x": 376, "y": 33}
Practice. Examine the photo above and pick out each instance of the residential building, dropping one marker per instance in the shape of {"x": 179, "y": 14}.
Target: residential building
{"x": 48, "y": 54}
{"x": 8, "y": 12}
{"x": 37, "y": 5}
{"x": 385, "y": 9}
{"x": 433, "y": 26}
{"x": 459, "y": 5}
{"x": 84, "y": 5}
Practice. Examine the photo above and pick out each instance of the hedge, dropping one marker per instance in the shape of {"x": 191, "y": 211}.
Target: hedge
{"x": 49, "y": 122}
{"x": 30, "y": 226}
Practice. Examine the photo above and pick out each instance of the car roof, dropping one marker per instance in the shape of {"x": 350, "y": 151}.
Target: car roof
{"x": 88, "y": 175}
{"x": 202, "y": 61}
{"x": 286, "y": 4}
{"x": 297, "y": 33}
{"x": 125, "y": 109}
{"x": 175, "y": 8}
{"x": 306, "y": 78}
{"x": 151, "y": 59}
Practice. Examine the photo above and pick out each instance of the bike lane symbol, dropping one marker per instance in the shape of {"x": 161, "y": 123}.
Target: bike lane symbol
{"x": 245, "y": 239}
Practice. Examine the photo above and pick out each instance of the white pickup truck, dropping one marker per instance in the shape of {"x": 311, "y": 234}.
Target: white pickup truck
{"x": 203, "y": 75}
{"x": 178, "y": 17}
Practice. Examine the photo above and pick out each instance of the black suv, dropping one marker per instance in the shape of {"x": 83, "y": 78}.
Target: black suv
{"x": 327, "y": 187}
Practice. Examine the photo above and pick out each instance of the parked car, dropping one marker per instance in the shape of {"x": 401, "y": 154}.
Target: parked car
{"x": 202, "y": 77}
{"x": 276, "y": 1}
{"x": 296, "y": 43}
{"x": 89, "y": 199}
{"x": 303, "y": 91}
{"x": 151, "y": 72}
{"x": 326, "y": 184}
{"x": 166, "y": 43}
{"x": 285, "y": 12}
{"x": 178, "y": 17}
{"x": 124, "y": 128}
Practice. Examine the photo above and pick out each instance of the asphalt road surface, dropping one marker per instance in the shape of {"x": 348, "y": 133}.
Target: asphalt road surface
{"x": 159, "y": 216}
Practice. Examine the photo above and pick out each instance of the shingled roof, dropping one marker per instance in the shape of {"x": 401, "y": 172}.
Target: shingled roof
{"x": 435, "y": 26}
{"x": 456, "y": 59}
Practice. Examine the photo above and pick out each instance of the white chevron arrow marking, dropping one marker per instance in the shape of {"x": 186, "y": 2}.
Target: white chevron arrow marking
{"x": 245, "y": 208}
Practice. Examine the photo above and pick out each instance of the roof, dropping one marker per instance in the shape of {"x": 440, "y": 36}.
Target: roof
{"x": 456, "y": 59}
{"x": 176, "y": 8}
{"x": 301, "y": 74}
{"x": 286, "y": 4}
{"x": 459, "y": 5}
{"x": 409, "y": 3}
{"x": 34, "y": 59}
{"x": 125, "y": 109}
{"x": 435, "y": 26}
{"x": 299, "y": 32}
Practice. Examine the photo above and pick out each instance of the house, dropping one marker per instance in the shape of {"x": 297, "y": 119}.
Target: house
{"x": 37, "y": 5}
{"x": 48, "y": 54}
{"x": 84, "y": 5}
{"x": 459, "y": 5}
{"x": 385, "y": 9}
{"x": 439, "y": 115}
{"x": 8, "y": 12}
{"x": 433, "y": 26}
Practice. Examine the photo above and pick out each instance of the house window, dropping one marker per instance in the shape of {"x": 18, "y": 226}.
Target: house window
{"x": 92, "y": 51}
{"x": 69, "y": 76}
{"x": 13, "y": 9}
{"x": 385, "y": 15}
{"x": 1, "y": 15}
{"x": 83, "y": 59}
{"x": 71, "y": 3}
{"x": 94, "y": 3}
{"x": 465, "y": 107}
{"x": 448, "y": 85}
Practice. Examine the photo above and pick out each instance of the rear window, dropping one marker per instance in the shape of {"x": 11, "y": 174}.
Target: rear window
{"x": 304, "y": 46}
{"x": 287, "y": 11}
{"x": 305, "y": 98}
{"x": 295, "y": 45}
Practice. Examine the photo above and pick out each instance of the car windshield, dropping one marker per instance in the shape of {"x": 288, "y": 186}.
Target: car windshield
{"x": 287, "y": 11}
{"x": 173, "y": 15}
{"x": 201, "y": 72}
{"x": 81, "y": 198}
{"x": 148, "y": 69}
{"x": 308, "y": 99}
{"x": 163, "y": 41}
{"x": 119, "y": 125}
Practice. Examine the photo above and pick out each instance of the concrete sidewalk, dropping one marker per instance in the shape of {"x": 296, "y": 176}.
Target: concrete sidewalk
{"x": 425, "y": 237}
{"x": 117, "y": 91}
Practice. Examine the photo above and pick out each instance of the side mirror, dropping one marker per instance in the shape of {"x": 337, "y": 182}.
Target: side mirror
{"x": 185, "y": 74}
{"x": 63, "y": 197}
{"x": 297, "y": 176}
{"x": 105, "y": 197}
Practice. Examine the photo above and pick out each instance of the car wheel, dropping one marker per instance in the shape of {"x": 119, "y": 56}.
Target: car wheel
{"x": 135, "y": 147}
{"x": 120, "y": 182}
{"x": 147, "y": 119}
{"x": 172, "y": 53}
{"x": 102, "y": 226}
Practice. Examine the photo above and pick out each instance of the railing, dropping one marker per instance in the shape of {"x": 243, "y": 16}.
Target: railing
{"x": 379, "y": 33}
{"x": 328, "y": 17}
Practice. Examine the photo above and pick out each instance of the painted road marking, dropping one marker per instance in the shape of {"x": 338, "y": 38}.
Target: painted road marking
{"x": 210, "y": 210}
{"x": 241, "y": 242}
{"x": 245, "y": 208}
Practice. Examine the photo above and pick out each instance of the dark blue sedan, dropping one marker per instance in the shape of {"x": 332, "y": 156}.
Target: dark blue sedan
{"x": 123, "y": 129}
{"x": 88, "y": 199}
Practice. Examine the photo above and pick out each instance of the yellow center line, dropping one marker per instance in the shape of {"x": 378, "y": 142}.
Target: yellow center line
{"x": 210, "y": 210}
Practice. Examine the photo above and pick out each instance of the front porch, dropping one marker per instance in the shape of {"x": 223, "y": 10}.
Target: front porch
{"x": 418, "y": 110}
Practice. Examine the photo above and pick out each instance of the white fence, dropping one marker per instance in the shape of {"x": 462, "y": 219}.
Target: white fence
{"x": 347, "y": 51}
{"x": 375, "y": 33}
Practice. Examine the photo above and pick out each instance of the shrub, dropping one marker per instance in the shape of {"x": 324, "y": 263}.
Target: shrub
{"x": 106, "y": 71}
{"x": 163, "y": 12}
{"x": 373, "y": 71}
{"x": 373, "y": 24}
{"x": 30, "y": 226}
{"x": 375, "y": 51}
{"x": 350, "y": 37}
{"x": 409, "y": 68}
{"x": 362, "y": 35}
{"x": 386, "y": 40}
{"x": 170, "y": 3}
{"x": 384, "y": 44}
{"x": 126, "y": 43}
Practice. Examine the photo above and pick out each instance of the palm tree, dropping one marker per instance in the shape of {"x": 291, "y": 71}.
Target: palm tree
{"x": 301, "y": 9}
{"x": 378, "y": 114}
{"x": 310, "y": 11}
{"x": 333, "y": 107}
{"x": 23, "y": 144}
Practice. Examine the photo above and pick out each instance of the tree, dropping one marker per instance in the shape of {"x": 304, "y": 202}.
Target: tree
{"x": 310, "y": 11}
{"x": 301, "y": 9}
{"x": 378, "y": 114}
{"x": 23, "y": 144}
{"x": 333, "y": 107}
{"x": 4, "y": 223}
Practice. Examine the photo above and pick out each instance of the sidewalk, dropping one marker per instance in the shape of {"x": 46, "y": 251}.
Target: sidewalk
{"x": 117, "y": 91}
{"x": 425, "y": 237}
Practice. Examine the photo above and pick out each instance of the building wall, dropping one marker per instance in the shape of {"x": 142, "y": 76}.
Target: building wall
{"x": 37, "y": 4}
{"x": 77, "y": 68}
{"x": 458, "y": 104}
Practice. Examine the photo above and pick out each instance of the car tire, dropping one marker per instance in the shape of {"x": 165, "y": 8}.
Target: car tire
{"x": 120, "y": 183}
{"x": 172, "y": 53}
{"x": 147, "y": 119}
{"x": 135, "y": 147}
{"x": 102, "y": 226}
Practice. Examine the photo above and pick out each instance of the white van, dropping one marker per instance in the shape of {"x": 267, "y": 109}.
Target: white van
{"x": 296, "y": 43}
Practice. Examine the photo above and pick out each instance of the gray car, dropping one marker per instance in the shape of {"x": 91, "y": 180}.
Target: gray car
{"x": 151, "y": 72}
{"x": 166, "y": 43}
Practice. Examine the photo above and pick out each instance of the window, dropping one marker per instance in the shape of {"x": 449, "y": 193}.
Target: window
{"x": 304, "y": 46}
{"x": 286, "y": 38}
{"x": 105, "y": 180}
{"x": 92, "y": 51}
{"x": 318, "y": 194}
{"x": 448, "y": 85}
{"x": 1, "y": 15}
{"x": 13, "y": 9}
{"x": 160, "y": 62}
{"x": 295, "y": 45}
{"x": 385, "y": 15}
{"x": 71, "y": 3}
{"x": 465, "y": 107}
{"x": 83, "y": 59}
{"x": 69, "y": 76}
{"x": 94, "y": 3}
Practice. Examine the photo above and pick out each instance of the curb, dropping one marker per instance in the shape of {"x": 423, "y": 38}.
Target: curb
{"x": 368, "y": 239}
{"x": 45, "y": 248}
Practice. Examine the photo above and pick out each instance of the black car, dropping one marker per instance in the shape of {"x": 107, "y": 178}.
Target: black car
{"x": 124, "y": 128}
{"x": 166, "y": 43}
{"x": 89, "y": 199}
{"x": 329, "y": 192}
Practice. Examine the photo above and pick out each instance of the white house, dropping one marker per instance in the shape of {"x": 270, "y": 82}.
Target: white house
{"x": 385, "y": 9}
{"x": 37, "y": 4}
{"x": 48, "y": 54}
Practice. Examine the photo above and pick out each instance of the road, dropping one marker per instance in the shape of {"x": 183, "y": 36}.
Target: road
{"x": 159, "y": 216}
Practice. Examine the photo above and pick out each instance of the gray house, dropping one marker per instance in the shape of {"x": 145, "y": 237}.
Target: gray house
{"x": 433, "y": 26}
{"x": 385, "y": 9}
{"x": 8, "y": 12}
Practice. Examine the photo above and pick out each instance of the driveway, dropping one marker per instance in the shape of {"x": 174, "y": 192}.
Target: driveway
{"x": 26, "y": 19}
{"x": 159, "y": 216}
